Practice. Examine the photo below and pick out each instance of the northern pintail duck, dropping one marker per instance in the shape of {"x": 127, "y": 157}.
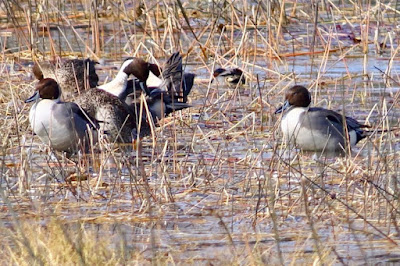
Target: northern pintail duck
{"x": 148, "y": 76}
{"x": 166, "y": 91}
{"x": 131, "y": 66}
{"x": 72, "y": 75}
{"x": 232, "y": 76}
{"x": 62, "y": 125}
{"x": 104, "y": 103}
{"x": 313, "y": 128}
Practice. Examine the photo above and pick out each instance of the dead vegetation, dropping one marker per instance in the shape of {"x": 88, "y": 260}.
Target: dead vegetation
{"x": 216, "y": 185}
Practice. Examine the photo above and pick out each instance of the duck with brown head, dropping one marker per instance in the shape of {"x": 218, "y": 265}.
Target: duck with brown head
{"x": 119, "y": 85}
{"x": 61, "y": 125}
{"x": 314, "y": 128}
{"x": 232, "y": 76}
{"x": 166, "y": 92}
{"x": 108, "y": 103}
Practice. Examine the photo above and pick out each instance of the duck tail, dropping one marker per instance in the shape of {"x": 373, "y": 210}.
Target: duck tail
{"x": 172, "y": 74}
{"x": 380, "y": 131}
{"x": 178, "y": 84}
{"x": 187, "y": 85}
{"x": 361, "y": 134}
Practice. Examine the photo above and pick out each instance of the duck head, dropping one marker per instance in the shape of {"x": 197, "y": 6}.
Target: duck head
{"x": 139, "y": 68}
{"x": 219, "y": 72}
{"x": 156, "y": 70}
{"x": 297, "y": 96}
{"x": 233, "y": 76}
{"x": 46, "y": 89}
{"x": 136, "y": 67}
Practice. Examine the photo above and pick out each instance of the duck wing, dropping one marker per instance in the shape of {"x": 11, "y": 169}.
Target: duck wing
{"x": 77, "y": 110}
{"x": 318, "y": 115}
{"x": 172, "y": 74}
{"x": 187, "y": 85}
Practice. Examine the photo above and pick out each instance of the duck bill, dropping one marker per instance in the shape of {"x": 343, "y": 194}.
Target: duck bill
{"x": 156, "y": 93}
{"x": 178, "y": 106}
{"x": 33, "y": 98}
{"x": 281, "y": 109}
{"x": 144, "y": 88}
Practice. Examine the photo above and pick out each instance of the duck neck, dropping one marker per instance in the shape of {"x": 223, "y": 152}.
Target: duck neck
{"x": 118, "y": 85}
{"x": 153, "y": 81}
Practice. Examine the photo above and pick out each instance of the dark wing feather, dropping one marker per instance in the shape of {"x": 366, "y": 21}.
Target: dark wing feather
{"x": 336, "y": 120}
{"x": 81, "y": 113}
{"x": 187, "y": 85}
{"x": 172, "y": 74}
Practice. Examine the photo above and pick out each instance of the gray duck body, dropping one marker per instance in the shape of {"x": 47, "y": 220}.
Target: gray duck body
{"x": 314, "y": 128}
{"x": 61, "y": 125}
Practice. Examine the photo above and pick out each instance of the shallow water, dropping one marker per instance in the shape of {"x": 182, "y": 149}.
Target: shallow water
{"x": 219, "y": 182}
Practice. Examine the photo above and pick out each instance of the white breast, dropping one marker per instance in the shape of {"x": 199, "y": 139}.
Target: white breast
{"x": 291, "y": 123}
{"x": 40, "y": 117}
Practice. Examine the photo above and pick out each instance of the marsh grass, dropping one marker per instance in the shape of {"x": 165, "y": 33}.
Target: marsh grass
{"x": 215, "y": 184}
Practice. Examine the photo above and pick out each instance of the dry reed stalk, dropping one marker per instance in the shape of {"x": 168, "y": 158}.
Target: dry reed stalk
{"x": 314, "y": 235}
{"x": 94, "y": 18}
{"x": 213, "y": 171}
{"x": 81, "y": 39}
{"x": 322, "y": 67}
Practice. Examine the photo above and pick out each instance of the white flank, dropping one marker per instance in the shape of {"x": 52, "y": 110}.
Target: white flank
{"x": 353, "y": 137}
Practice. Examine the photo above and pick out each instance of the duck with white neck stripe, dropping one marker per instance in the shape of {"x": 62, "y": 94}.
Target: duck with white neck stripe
{"x": 61, "y": 125}
{"x": 314, "y": 128}
{"x": 166, "y": 92}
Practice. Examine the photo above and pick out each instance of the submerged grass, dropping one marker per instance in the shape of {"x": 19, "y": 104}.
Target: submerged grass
{"x": 215, "y": 184}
